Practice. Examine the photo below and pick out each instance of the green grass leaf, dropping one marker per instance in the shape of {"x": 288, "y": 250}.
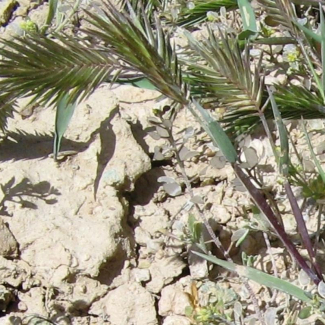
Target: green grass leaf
{"x": 139, "y": 82}
{"x": 217, "y": 134}
{"x": 308, "y": 32}
{"x": 198, "y": 14}
{"x": 64, "y": 114}
{"x": 259, "y": 277}
{"x": 53, "y": 5}
{"x": 248, "y": 18}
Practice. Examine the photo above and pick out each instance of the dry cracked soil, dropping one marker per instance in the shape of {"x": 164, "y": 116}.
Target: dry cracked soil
{"x": 94, "y": 238}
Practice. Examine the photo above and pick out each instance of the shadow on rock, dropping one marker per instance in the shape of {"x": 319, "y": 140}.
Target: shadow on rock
{"x": 107, "y": 142}
{"x": 20, "y": 192}
{"x": 146, "y": 186}
{"x": 139, "y": 134}
{"x": 21, "y": 145}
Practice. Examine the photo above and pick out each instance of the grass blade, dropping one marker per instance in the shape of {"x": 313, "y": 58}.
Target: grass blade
{"x": 139, "y": 82}
{"x": 217, "y": 134}
{"x": 308, "y": 32}
{"x": 64, "y": 113}
{"x": 313, "y": 71}
{"x": 53, "y": 5}
{"x": 259, "y": 277}
{"x": 248, "y": 18}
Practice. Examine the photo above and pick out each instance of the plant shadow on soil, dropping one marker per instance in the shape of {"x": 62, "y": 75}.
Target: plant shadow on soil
{"x": 21, "y": 145}
{"x": 107, "y": 142}
{"x": 39, "y": 146}
{"x": 25, "y": 192}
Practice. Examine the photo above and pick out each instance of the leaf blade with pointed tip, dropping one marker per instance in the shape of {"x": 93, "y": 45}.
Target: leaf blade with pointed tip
{"x": 218, "y": 135}
{"x": 53, "y": 4}
{"x": 259, "y": 277}
{"x": 63, "y": 116}
{"x": 308, "y": 32}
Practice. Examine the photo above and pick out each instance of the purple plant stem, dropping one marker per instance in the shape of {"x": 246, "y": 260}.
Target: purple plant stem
{"x": 262, "y": 204}
{"x": 302, "y": 228}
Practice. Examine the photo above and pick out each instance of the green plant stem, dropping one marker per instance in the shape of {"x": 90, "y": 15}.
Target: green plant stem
{"x": 260, "y": 201}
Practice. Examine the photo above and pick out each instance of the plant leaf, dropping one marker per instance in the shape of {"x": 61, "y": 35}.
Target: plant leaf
{"x": 64, "y": 112}
{"x": 239, "y": 236}
{"x": 198, "y": 12}
{"x": 139, "y": 82}
{"x": 49, "y": 68}
{"x": 248, "y": 18}
{"x": 53, "y": 5}
{"x": 224, "y": 77}
{"x": 322, "y": 32}
{"x": 217, "y": 134}
{"x": 259, "y": 277}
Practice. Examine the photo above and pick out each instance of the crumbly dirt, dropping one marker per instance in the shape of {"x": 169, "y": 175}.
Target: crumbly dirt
{"x": 95, "y": 239}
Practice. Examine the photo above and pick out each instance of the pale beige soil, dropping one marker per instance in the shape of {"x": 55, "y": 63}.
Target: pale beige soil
{"x": 94, "y": 238}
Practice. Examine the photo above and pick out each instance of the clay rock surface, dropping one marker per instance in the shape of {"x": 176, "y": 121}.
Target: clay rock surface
{"x": 173, "y": 300}
{"x": 8, "y": 243}
{"x": 128, "y": 304}
{"x": 69, "y": 217}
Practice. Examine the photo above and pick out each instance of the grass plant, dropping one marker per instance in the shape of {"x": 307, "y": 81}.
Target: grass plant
{"x": 135, "y": 45}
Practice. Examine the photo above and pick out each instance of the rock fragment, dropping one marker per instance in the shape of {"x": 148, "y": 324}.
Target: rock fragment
{"x": 12, "y": 273}
{"x": 163, "y": 271}
{"x": 8, "y": 243}
{"x": 6, "y": 296}
{"x": 6, "y": 10}
{"x": 173, "y": 300}
{"x": 129, "y": 303}
{"x": 176, "y": 320}
{"x": 128, "y": 162}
